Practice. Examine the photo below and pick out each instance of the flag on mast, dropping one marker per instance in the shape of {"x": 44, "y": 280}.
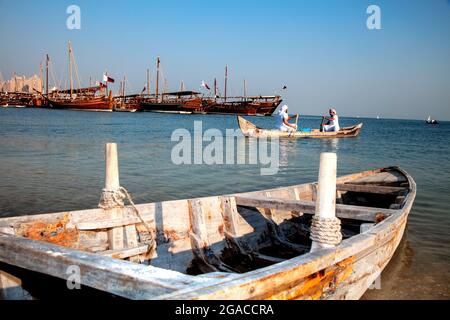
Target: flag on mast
{"x": 107, "y": 79}
{"x": 205, "y": 85}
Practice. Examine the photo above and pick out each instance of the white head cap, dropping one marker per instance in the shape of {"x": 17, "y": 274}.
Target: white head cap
{"x": 283, "y": 109}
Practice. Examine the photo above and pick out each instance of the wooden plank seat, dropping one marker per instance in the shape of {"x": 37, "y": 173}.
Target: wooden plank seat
{"x": 108, "y": 223}
{"x": 309, "y": 207}
{"x": 387, "y": 177}
{"x": 130, "y": 248}
{"x": 370, "y": 188}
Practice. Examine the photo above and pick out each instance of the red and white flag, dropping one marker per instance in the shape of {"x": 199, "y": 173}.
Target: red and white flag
{"x": 205, "y": 85}
{"x": 107, "y": 79}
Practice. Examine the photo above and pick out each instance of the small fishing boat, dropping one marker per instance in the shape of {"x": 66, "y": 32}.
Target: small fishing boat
{"x": 251, "y": 130}
{"x": 252, "y": 245}
{"x": 431, "y": 121}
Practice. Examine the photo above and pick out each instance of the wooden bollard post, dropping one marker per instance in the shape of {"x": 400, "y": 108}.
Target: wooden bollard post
{"x": 112, "y": 167}
{"x": 115, "y": 235}
{"x": 326, "y": 197}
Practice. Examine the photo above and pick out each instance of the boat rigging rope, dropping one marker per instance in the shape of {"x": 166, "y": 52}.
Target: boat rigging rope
{"x": 326, "y": 231}
{"x": 111, "y": 199}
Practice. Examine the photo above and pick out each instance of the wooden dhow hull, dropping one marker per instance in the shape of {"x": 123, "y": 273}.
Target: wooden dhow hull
{"x": 247, "y": 105}
{"x": 251, "y": 245}
{"x": 90, "y": 104}
{"x": 182, "y": 106}
{"x": 250, "y": 130}
{"x": 249, "y": 108}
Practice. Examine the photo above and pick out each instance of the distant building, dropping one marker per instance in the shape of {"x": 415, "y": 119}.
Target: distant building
{"x": 21, "y": 84}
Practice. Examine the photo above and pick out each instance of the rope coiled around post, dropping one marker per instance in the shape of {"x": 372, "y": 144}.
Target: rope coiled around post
{"x": 111, "y": 199}
{"x": 326, "y": 231}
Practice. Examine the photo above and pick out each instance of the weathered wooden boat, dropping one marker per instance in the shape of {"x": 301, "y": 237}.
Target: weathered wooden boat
{"x": 250, "y": 130}
{"x": 253, "y": 245}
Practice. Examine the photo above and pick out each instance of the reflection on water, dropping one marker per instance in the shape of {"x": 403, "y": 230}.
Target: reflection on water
{"x": 333, "y": 144}
{"x": 54, "y": 160}
{"x": 287, "y": 148}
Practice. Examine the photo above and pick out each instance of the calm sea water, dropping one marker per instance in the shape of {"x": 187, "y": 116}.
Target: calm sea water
{"x": 54, "y": 160}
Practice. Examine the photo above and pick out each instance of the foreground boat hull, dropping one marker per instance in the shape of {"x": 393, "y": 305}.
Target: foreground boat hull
{"x": 250, "y": 130}
{"x": 203, "y": 230}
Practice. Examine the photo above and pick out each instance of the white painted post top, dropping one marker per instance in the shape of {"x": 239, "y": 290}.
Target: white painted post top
{"x": 326, "y": 192}
{"x": 112, "y": 167}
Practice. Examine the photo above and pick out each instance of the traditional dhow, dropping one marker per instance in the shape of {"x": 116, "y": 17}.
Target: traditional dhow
{"x": 245, "y": 105}
{"x": 252, "y": 106}
{"x": 252, "y": 245}
{"x": 128, "y": 103}
{"x": 84, "y": 102}
{"x": 175, "y": 102}
{"x": 18, "y": 99}
{"x": 250, "y": 130}
{"x": 86, "y": 99}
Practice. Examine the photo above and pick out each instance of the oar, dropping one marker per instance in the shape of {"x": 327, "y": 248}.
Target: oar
{"x": 321, "y": 124}
{"x": 296, "y": 127}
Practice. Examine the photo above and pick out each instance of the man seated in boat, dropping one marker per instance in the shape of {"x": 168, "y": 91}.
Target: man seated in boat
{"x": 332, "y": 124}
{"x": 283, "y": 118}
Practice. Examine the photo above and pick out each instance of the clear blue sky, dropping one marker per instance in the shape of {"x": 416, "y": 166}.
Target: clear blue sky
{"x": 321, "y": 50}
